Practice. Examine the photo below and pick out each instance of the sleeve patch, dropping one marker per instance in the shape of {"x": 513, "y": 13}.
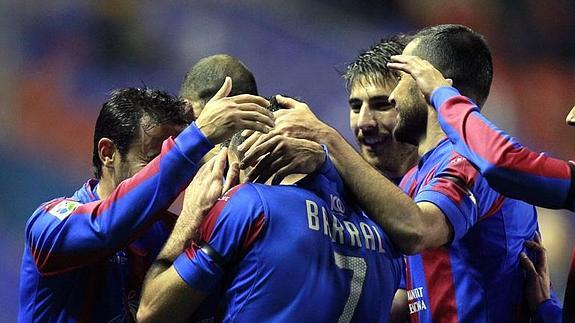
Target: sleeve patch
{"x": 63, "y": 209}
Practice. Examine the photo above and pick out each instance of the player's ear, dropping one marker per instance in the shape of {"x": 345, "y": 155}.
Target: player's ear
{"x": 106, "y": 152}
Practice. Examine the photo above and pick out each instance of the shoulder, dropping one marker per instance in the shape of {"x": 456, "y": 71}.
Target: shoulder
{"x": 59, "y": 207}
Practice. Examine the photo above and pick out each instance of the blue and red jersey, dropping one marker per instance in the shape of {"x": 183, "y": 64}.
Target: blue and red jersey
{"x": 509, "y": 167}
{"x": 85, "y": 258}
{"x": 289, "y": 254}
{"x": 477, "y": 277}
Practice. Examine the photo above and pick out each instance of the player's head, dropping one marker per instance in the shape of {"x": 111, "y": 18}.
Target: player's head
{"x": 372, "y": 118}
{"x": 458, "y": 53}
{"x": 130, "y": 129}
{"x": 205, "y": 78}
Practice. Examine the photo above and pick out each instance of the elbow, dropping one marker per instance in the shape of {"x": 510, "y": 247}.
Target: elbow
{"x": 144, "y": 314}
{"x": 412, "y": 242}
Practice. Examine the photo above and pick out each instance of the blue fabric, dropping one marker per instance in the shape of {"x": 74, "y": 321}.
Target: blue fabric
{"x": 85, "y": 258}
{"x": 288, "y": 273}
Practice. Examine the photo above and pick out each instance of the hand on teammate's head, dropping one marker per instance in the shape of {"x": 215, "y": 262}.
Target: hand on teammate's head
{"x": 223, "y": 116}
{"x": 427, "y": 77}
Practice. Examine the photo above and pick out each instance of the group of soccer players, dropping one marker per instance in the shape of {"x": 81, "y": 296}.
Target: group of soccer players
{"x": 333, "y": 238}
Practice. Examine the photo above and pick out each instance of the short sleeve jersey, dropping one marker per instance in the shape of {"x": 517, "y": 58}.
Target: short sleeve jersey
{"x": 288, "y": 254}
{"x": 477, "y": 277}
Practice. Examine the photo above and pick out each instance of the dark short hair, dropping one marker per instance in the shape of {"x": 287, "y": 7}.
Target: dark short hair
{"x": 121, "y": 114}
{"x": 460, "y": 54}
{"x": 206, "y": 77}
{"x": 372, "y": 63}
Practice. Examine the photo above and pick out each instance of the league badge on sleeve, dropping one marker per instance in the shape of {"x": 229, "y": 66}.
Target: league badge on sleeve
{"x": 64, "y": 208}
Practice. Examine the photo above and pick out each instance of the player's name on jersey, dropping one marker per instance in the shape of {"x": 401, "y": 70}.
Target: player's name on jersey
{"x": 362, "y": 234}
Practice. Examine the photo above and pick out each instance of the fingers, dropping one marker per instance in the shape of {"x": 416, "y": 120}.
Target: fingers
{"x": 248, "y": 98}
{"x": 224, "y": 90}
{"x": 255, "y": 115}
{"x": 256, "y": 108}
{"x": 403, "y": 58}
{"x": 527, "y": 264}
{"x": 264, "y": 144}
{"x": 232, "y": 178}
{"x": 536, "y": 244}
{"x": 287, "y": 103}
{"x": 259, "y": 173}
{"x": 252, "y": 137}
{"x": 220, "y": 162}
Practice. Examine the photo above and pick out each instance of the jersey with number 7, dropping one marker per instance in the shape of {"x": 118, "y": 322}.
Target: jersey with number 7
{"x": 289, "y": 254}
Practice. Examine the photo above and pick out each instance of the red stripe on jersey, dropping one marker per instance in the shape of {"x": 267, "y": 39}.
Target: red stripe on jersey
{"x": 98, "y": 207}
{"x": 437, "y": 269}
{"x": 207, "y": 227}
{"x": 460, "y": 168}
{"x": 496, "y": 149}
{"x": 569, "y": 302}
{"x": 408, "y": 177}
{"x": 254, "y": 232}
{"x": 495, "y": 207}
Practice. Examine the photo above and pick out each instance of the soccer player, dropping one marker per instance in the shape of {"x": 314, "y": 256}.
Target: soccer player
{"x": 287, "y": 253}
{"x": 86, "y": 255}
{"x": 371, "y": 117}
{"x": 509, "y": 167}
{"x": 465, "y": 270}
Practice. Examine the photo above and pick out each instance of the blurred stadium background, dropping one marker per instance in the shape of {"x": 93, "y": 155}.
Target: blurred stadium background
{"x": 58, "y": 59}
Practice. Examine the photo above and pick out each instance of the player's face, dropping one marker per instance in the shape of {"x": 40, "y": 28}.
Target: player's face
{"x": 411, "y": 106}
{"x": 372, "y": 120}
{"x": 144, "y": 148}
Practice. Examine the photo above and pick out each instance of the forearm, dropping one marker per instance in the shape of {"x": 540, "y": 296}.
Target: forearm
{"x": 184, "y": 231}
{"x": 166, "y": 297}
{"x": 384, "y": 202}
{"x": 509, "y": 167}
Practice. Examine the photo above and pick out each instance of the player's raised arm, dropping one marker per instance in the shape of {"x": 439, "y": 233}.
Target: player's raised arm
{"x": 65, "y": 234}
{"x": 165, "y": 296}
{"x": 404, "y": 221}
{"x": 509, "y": 167}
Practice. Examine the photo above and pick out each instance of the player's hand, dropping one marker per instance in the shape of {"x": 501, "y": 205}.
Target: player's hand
{"x": 296, "y": 120}
{"x": 208, "y": 185}
{"x": 274, "y": 153}
{"x": 427, "y": 77}
{"x": 538, "y": 284}
{"x": 223, "y": 116}
{"x": 571, "y": 117}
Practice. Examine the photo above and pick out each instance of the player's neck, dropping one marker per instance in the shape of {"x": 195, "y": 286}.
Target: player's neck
{"x": 105, "y": 188}
{"x": 433, "y": 133}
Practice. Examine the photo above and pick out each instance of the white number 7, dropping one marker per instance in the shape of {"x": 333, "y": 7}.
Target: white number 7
{"x": 358, "y": 268}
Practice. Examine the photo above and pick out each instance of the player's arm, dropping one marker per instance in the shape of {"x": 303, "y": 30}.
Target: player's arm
{"x": 163, "y": 285}
{"x": 412, "y": 227}
{"x": 509, "y": 167}
{"x": 230, "y": 228}
{"x": 89, "y": 232}
{"x": 399, "y": 307}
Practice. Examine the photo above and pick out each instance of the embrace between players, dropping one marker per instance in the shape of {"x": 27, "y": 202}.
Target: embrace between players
{"x": 333, "y": 238}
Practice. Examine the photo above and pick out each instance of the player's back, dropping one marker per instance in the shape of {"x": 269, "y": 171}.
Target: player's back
{"x": 303, "y": 258}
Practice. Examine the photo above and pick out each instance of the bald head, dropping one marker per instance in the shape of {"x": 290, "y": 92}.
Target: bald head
{"x": 206, "y": 77}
